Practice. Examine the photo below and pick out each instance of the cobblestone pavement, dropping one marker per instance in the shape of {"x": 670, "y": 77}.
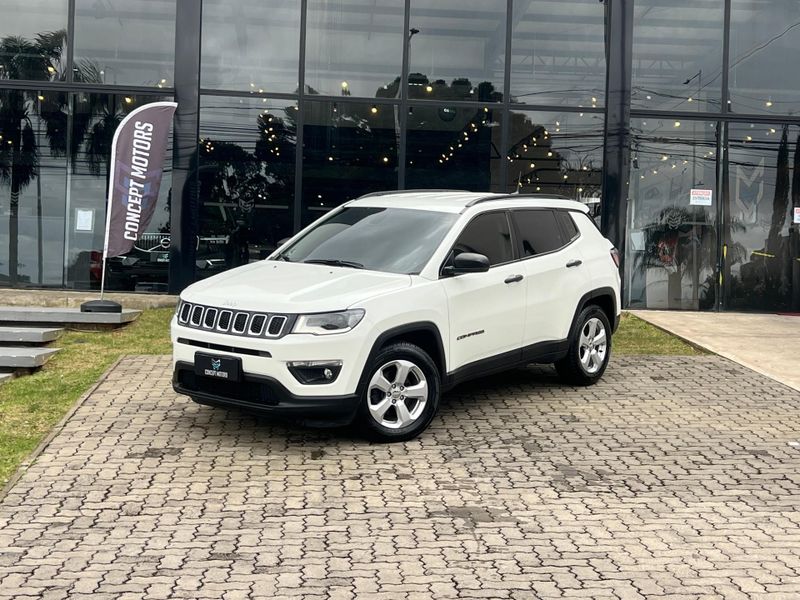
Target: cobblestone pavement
{"x": 674, "y": 478}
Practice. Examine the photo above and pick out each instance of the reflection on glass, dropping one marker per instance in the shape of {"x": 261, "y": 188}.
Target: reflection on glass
{"x": 249, "y": 45}
{"x": 762, "y": 270}
{"x": 557, "y": 153}
{"x": 457, "y": 50}
{"x": 95, "y": 119}
{"x": 677, "y": 55}
{"x": 33, "y": 40}
{"x": 349, "y": 149}
{"x": 32, "y": 179}
{"x": 763, "y": 56}
{"x": 125, "y": 42}
{"x": 247, "y": 166}
{"x": 672, "y": 234}
{"x": 558, "y": 53}
{"x": 354, "y": 49}
{"x": 453, "y": 147}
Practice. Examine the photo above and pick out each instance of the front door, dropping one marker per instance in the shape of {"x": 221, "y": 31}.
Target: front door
{"x": 487, "y": 310}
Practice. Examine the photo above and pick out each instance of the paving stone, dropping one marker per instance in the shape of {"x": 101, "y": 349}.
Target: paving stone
{"x": 675, "y": 477}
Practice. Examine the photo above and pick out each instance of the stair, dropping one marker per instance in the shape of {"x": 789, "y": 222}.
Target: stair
{"x": 24, "y": 357}
{"x": 26, "y": 330}
{"x": 54, "y": 315}
{"x": 28, "y": 335}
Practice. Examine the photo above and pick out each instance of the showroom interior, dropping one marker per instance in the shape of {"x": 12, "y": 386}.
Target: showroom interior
{"x": 676, "y": 123}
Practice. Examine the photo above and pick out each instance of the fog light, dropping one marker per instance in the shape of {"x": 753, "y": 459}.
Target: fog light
{"x": 315, "y": 372}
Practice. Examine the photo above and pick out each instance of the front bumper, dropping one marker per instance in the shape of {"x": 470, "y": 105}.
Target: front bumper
{"x": 263, "y": 395}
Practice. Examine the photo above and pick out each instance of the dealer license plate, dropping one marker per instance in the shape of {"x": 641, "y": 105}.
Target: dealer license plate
{"x": 226, "y": 368}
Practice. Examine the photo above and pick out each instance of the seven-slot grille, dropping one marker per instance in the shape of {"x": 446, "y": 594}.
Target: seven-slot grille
{"x": 239, "y": 322}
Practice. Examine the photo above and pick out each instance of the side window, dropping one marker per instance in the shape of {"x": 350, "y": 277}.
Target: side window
{"x": 539, "y": 232}
{"x": 567, "y": 225}
{"x": 488, "y": 235}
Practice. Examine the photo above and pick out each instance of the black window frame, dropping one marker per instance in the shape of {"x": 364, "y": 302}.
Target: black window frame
{"x": 518, "y": 236}
{"x": 515, "y": 256}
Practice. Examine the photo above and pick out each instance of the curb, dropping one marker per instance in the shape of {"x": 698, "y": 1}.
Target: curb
{"x": 57, "y": 428}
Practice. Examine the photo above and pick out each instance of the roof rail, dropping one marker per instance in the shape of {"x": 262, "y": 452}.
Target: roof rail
{"x": 512, "y": 196}
{"x": 392, "y": 192}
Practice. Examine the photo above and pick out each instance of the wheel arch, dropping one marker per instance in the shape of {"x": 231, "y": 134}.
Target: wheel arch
{"x": 424, "y": 334}
{"x": 606, "y": 299}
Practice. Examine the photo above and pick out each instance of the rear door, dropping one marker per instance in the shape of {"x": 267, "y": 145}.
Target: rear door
{"x": 555, "y": 276}
{"x": 487, "y": 310}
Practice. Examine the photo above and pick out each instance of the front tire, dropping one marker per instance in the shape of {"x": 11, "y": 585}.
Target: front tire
{"x": 401, "y": 395}
{"x": 589, "y": 348}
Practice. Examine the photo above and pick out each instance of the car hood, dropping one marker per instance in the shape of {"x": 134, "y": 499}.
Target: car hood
{"x": 274, "y": 286}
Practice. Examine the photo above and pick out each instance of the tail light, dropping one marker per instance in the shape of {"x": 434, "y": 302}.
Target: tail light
{"x": 615, "y": 256}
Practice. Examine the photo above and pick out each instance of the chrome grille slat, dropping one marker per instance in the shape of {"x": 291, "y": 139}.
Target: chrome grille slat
{"x": 257, "y": 324}
{"x": 240, "y": 322}
{"x": 224, "y": 321}
{"x": 232, "y": 322}
{"x": 276, "y": 324}
{"x": 185, "y": 311}
{"x": 210, "y": 318}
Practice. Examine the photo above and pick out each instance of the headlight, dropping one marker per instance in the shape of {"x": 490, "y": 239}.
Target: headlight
{"x": 327, "y": 323}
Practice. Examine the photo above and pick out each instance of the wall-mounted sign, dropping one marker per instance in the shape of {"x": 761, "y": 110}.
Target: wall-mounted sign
{"x": 699, "y": 197}
{"x": 84, "y": 219}
{"x": 797, "y": 214}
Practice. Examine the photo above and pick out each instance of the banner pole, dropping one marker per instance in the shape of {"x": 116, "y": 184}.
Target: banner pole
{"x": 140, "y": 179}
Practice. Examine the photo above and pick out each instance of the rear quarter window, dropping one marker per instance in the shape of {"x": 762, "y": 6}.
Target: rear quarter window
{"x": 539, "y": 231}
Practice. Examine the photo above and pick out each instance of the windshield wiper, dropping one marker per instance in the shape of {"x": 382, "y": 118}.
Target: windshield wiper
{"x": 333, "y": 262}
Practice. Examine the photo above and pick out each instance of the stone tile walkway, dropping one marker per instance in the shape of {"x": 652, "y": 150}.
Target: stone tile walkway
{"x": 675, "y": 478}
{"x": 768, "y": 344}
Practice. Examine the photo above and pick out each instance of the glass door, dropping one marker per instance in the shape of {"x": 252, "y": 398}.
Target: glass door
{"x": 761, "y": 245}
{"x": 673, "y": 238}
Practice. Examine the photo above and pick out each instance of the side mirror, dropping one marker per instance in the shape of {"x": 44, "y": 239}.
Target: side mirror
{"x": 467, "y": 262}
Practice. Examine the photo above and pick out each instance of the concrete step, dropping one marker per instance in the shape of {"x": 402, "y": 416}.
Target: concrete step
{"x": 44, "y": 315}
{"x": 29, "y": 335}
{"x": 12, "y": 357}
{"x": 5, "y": 377}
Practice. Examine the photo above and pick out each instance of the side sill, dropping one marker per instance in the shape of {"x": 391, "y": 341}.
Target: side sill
{"x": 543, "y": 352}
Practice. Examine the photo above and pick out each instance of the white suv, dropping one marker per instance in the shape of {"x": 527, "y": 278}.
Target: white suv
{"x": 374, "y": 310}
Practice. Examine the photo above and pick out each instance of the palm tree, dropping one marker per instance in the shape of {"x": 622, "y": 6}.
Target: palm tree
{"x": 20, "y": 58}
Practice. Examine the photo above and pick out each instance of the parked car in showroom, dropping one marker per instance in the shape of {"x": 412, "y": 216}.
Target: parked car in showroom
{"x": 374, "y": 310}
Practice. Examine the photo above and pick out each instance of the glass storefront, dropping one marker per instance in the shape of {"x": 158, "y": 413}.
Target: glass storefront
{"x": 453, "y": 147}
{"x": 247, "y": 179}
{"x": 677, "y": 55}
{"x": 349, "y": 149}
{"x": 761, "y": 236}
{"x": 109, "y": 48}
{"x": 672, "y": 227}
{"x": 558, "y": 53}
{"x": 288, "y": 109}
{"x": 250, "y": 49}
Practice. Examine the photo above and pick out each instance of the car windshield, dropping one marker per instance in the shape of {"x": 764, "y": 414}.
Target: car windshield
{"x": 394, "y": 240}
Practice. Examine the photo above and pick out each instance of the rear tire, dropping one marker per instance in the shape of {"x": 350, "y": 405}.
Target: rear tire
{"x": 401, "y": 395}
{"x": 589, "y": 348}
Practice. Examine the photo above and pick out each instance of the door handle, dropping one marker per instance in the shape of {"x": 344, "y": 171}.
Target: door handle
{"x": 574, "y": 263}
{"x": 513, "y": 278}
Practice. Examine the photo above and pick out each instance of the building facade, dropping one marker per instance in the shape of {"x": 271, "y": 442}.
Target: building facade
{"x": 677, "y": 122}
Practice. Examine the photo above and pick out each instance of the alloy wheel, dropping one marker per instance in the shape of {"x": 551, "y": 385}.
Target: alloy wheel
{"x": 398, "y": 393}
{"x": 593, "y": 346}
